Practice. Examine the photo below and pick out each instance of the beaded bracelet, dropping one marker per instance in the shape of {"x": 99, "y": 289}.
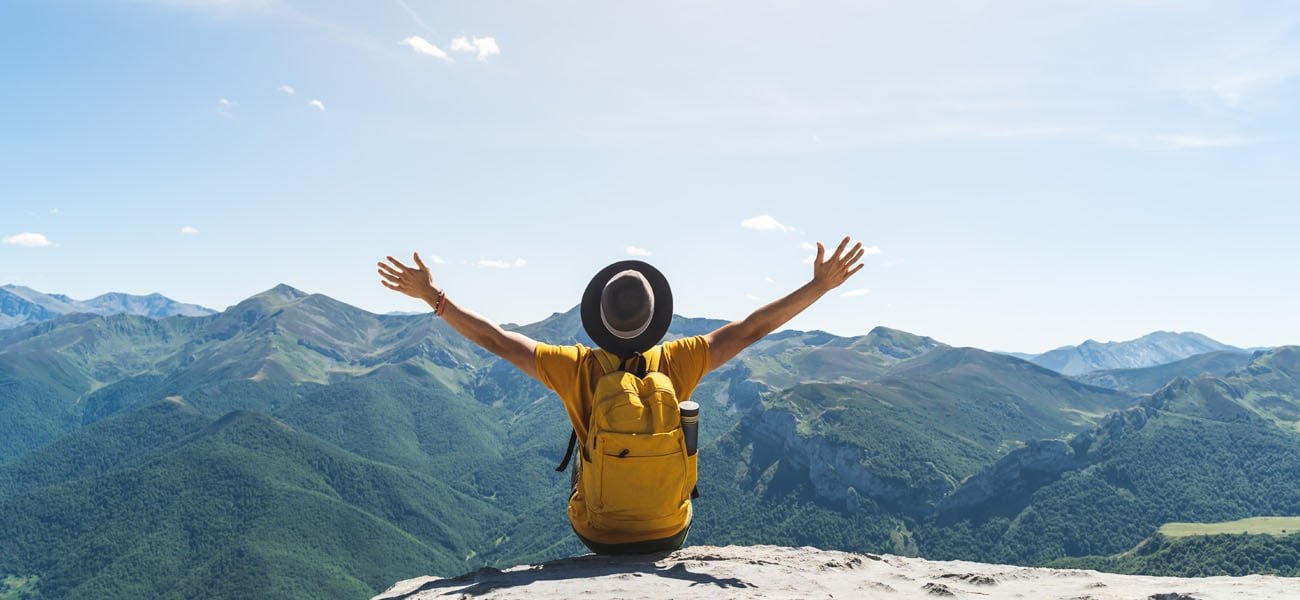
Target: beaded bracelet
{"x": 438, "y": 306}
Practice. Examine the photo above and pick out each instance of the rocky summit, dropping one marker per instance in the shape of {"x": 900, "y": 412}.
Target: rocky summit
{"x": 712, "y": 573}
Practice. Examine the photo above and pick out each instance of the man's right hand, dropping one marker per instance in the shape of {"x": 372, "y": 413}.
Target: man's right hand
{"x": 414, "y": 282}
{"x": 828, "y": 274}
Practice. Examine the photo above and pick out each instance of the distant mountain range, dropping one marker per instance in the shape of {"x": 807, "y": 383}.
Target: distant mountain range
{"x": 294, "y": 442}
{"x": 22, "y": 305}
{"x": 1153, "y": 349}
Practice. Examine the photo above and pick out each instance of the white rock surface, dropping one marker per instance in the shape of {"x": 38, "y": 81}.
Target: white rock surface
{"x": 715, "y": 573}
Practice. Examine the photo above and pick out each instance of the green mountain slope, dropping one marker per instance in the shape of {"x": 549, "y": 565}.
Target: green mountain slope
{"x": 859, "y": 463}
{"x": 1149, "y": 379}
{"x": 244, "y": 507}
{"x": 1199, "y": 450}
{"x": 1235, "y": 555}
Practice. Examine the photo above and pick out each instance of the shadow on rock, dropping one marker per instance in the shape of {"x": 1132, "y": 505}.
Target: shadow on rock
{"x": 583, "y": 567}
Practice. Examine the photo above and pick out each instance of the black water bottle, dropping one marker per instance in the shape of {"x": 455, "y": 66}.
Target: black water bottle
{"x": 690, "y": 425}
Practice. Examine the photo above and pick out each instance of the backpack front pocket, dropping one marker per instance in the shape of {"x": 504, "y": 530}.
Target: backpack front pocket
{"x": 640, "y": 477}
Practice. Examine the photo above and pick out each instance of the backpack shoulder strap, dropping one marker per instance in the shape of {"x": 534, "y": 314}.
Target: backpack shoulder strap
{"x": 608, "y": 362}
{"x": 652, "y": 359}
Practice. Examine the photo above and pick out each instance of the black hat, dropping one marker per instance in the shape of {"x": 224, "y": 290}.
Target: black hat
{"x": 627, "y": 307}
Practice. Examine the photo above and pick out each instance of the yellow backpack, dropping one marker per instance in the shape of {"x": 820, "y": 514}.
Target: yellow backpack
{"x": 636, "y": 475}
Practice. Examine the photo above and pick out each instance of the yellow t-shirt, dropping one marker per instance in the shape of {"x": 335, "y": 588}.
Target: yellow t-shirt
{"x": 568, "y": 371}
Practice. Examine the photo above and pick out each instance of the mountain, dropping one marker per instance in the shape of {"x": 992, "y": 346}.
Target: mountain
{"x": 22, "y": 305}
{"x": 709, "y": 572}
{"x": 1146, "y": 380}
{"x": 241, "y": 506}
{"x": 852, "y": 464}
{"x": 1149, "y": 350}
{"x": 1267, "y": 545}
{"x": 274, "y": 433}
{"x": 1198, "y": 450}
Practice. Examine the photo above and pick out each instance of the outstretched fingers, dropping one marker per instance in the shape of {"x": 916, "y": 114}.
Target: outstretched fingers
{"x": 399, "y": 264}
{"x": 387, "y": 270}
{"x": 839, "y": 251}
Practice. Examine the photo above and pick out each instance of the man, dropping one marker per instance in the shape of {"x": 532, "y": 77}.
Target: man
{"x": 626, "y": 310}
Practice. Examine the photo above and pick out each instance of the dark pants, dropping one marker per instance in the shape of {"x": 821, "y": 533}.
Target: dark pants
{"x": 667, "y": 544}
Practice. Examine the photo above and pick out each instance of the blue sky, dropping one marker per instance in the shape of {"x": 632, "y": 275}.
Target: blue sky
{"x": 1033, "y": 174}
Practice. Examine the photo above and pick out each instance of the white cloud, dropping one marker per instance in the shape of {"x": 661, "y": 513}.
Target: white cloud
{"x": 437, "y": 260}
{"x": 855, "y": 293}
{"x": 635, "y": 251}
{"x": 810, "y": 259}
{"x": 423, "y": 46}
{"x": 809, "y": 246}
{"x": 752, "y": 298}
{"x": 870, "y": 250}
{"x": 28, "y": 239}
{"x": 189, "y": 230}
{"x": 483, "y": 47}
{"x": 769, "y": 280}
{"x": 288, "y": 89}
{"x": 764, "y": 223}
{"x": 318, "y": 105}
{"x": 501, "y": 264}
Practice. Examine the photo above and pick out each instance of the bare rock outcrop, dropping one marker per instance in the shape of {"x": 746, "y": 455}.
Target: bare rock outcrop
{"x": 713, "y": 573}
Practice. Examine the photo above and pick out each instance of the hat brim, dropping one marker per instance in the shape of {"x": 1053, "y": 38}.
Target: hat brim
{"x": 659, "y": 321}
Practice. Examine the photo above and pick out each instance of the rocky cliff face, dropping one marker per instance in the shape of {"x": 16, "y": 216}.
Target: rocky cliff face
{"x": 707, "y": 572}
{"x": 837, "y": 472}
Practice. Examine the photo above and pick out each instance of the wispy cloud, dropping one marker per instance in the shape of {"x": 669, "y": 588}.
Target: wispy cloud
{"x": 855, "y": 293}
{"x": 765, "y": 223}
{"x": 1236, "y": 72}
{"x": 189, "y": 230}
{"x": 635, "y": 251}
{"x": 501, "y": 264}
{"x": 226, "y": 107}
{"x": 809, "y": 246}
{"x": 28, "y": 239}
{"x": 769, "y": 280}
{"x": 752, "y": 298}
{"x": 483, "y": 47}
{"x": 423, "y": 46}
{"x": 288, "y": 89}
{"x": 415, "y": 15}
{"x": 437, "y": 260}
{"x": 318, "y": 105}
{"x": 870, "y": 250}
{"x": 1195, "y": 141}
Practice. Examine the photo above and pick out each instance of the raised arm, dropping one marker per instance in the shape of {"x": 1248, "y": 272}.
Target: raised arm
{"x": 727, "y": 341}
{"x": 418, "y": 283}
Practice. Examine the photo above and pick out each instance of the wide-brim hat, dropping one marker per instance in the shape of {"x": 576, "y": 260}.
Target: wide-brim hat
{"x": 653, "y": 332}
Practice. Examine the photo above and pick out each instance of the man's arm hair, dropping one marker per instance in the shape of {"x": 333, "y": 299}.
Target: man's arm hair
{"x": 729, "y": 340}
{"x": 417, "y": 282}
